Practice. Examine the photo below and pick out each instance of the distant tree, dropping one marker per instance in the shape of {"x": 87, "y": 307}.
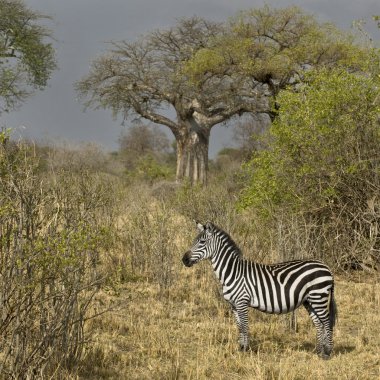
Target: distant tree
{"x": 228, "y": 160}
{"x": 141, "y": 139}
{"x": 145, "y": 152}
{"x": 26, "y": 59}
{"x": 247, "y": 134}
{"x": 233, "y": 71}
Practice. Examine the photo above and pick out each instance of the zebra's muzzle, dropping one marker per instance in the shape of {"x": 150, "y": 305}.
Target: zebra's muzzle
{"x": 186, "y": 259}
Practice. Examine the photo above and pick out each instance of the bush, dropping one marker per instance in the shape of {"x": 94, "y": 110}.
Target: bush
{"x": 148, "y": 169}
{"x": 52, "y": 228}
{"x": 322, "y": 162}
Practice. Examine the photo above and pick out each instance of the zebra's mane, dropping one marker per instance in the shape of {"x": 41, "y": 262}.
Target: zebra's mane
{"x": 228, "y": 239}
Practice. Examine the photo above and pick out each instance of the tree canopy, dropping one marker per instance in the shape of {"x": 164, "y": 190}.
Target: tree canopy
{"x": 207, "y": 73}
{"x": 26, "y": 59}
{"x": 271, "y": 47}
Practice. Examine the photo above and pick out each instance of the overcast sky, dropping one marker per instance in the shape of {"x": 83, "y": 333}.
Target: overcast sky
{"x": 81, "y": 29}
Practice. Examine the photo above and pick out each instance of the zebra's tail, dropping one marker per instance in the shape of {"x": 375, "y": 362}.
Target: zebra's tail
{"x": 333, "y": 310}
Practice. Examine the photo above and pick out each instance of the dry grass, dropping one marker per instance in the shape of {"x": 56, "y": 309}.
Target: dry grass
{"x": 188, "y": 332}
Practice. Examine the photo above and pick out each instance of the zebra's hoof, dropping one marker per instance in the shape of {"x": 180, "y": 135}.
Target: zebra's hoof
{"x": 244, "y": 348}
{"x": 325, "y": 356}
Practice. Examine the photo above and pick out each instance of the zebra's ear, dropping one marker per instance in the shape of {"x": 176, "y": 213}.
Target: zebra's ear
{"x": 200, "y": 226}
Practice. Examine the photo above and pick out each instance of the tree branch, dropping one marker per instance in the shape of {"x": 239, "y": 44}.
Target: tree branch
{"x": 154, "y": 117}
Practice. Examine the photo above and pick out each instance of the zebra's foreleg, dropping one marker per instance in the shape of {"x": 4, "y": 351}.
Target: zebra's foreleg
{"x": 241, "y": 315}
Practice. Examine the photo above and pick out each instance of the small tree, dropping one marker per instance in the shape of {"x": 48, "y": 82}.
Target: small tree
{"x": 141, "y": 139}
{"x": 26, "y": 59}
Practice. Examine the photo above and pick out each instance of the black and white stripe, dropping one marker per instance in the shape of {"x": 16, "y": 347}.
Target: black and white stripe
{"x": 278, "y": 288}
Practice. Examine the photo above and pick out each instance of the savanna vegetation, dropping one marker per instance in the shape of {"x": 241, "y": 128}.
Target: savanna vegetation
{"x": 92, "y": 284}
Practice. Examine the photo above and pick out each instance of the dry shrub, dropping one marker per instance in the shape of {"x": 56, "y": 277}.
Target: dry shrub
{"x": 346, "y": 241}
{"x": 149, "y": 234}
{"x": 53, "y": 227}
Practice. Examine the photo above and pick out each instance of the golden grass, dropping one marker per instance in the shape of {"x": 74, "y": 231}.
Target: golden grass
{"x": 188, "y": 332}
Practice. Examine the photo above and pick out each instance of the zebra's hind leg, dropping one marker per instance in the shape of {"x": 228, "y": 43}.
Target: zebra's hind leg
{"x": 317, "y": 308}
{"x": 241, "y": 315}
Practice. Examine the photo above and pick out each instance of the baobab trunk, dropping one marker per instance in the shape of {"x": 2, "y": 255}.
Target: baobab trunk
{"x": 192, "y": 154}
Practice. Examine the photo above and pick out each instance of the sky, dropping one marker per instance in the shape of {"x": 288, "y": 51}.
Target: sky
{"x": 81, "y": 30}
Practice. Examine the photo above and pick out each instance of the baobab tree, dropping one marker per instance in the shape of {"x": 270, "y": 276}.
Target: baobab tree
{"x": 146, "y": 78}
{"x": 195, "y": 71}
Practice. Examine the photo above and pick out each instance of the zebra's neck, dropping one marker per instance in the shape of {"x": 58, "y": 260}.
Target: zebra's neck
{"x": 226, "y": 263}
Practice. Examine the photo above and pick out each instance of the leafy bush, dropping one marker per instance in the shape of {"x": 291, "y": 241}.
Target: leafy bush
{"x": 322, "y": 159}
{"x": 148, "y": 168}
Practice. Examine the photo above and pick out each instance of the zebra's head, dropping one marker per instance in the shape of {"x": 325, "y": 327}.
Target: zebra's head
{"x": 202, "y": 246}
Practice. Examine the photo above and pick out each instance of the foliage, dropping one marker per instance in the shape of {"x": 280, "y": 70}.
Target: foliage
{"x": 26, "y": 59}
{"x": 325, "y": 138}
{"x": 272, "y": 47}
{"x": 53, "y": 228}
{"x": 149, "y": 168}
{"x": 322, "y": 156}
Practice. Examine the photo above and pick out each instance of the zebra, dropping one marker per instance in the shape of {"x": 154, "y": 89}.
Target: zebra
{"x": 277, "y": 289}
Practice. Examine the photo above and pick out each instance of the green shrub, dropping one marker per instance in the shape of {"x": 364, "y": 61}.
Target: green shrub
{"x": 322, "y": 160}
